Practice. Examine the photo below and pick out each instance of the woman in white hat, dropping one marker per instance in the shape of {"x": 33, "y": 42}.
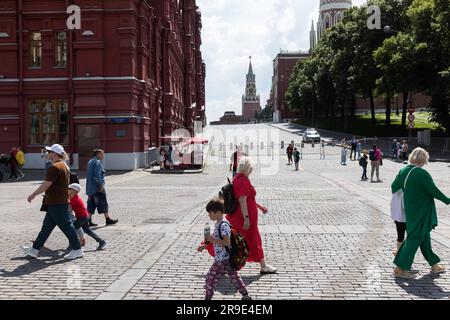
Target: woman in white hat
{"x": 56, "y": 203}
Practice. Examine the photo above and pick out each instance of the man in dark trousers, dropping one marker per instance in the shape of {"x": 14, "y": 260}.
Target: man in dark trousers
{"x": 354, "y": 146}
{"x": 95, "y": 188}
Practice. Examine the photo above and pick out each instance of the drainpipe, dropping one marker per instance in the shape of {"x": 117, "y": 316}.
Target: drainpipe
{"x": 71, "y": 95}
{"x": 164, "y": 58}
{"x": 21, "y": 107}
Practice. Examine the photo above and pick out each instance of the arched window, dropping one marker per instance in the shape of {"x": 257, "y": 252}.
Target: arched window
{"x": 338, "y": 17}
{"x": 328, "y": 21}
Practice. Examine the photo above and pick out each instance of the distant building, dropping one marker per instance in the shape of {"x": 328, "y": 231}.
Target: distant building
{"x": 251, "y": 104}
{"x": 283, "y": 65}
{"x": 331, "y": 13}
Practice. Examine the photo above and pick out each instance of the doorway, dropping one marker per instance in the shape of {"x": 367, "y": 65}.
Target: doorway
{"x": 89, "y": 138}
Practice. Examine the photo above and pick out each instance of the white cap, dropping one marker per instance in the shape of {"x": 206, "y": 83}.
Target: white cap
{"x": 75, "y": 186}
{"x": 56, "y": 148}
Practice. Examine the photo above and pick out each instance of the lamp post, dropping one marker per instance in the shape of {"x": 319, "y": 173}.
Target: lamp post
{"x": 389, "y": 30}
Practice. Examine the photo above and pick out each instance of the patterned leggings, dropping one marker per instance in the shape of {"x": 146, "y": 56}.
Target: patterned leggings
{"x": 216, "y": 273}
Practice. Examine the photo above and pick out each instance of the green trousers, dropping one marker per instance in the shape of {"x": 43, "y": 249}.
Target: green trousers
{"x": 405, "y": 255}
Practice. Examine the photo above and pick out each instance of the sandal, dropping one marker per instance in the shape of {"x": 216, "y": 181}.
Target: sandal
{"x": 437, "y": 268}
{"x": 268, "y": 270}
{"x": 404, "y": 275}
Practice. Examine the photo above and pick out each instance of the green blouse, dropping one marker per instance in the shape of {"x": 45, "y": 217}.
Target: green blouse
{"x": 419, "y": 195}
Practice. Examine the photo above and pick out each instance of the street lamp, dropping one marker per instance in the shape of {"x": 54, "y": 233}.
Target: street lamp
{"x": 388, "y": 30}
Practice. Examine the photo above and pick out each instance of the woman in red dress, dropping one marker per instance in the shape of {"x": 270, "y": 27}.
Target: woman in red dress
{"x": 245, "y": 219}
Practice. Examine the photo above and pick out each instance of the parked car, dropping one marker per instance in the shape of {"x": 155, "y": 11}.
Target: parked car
{"x": 311, "y": 135}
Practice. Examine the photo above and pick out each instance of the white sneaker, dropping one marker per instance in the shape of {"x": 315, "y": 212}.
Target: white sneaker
{"x": 74, "y": 254}
{"x": 30, "y": 251}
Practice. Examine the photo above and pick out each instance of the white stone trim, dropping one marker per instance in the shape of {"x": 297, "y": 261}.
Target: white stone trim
{"x": 124, "y": 161}
{"x": 45, "y": 79}
{"x": 35, "y": 161}
{"x": 335, "y": 6}
{"x": 113, "y": 161}
{"x": 9, "y": 117}
{"x": 106, "y": 78}
{"x": 100, "y": 116}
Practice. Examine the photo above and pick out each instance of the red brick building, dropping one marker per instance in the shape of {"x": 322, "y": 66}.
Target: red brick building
{"x": 283, "y": 66}
{"x": 130, "y": 76}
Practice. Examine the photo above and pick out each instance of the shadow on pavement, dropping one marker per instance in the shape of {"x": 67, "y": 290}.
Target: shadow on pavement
{"x": 424, "y": 287}
{"x": 226, "y": 287}
{"x": 35, "y": 265}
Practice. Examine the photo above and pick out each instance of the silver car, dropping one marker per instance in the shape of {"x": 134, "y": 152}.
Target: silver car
{"x": 311, "y": 135}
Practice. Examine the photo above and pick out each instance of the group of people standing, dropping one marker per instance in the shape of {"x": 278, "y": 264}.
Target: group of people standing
{"x": 15, "y": 160}
{"x": 64, "y": 207}
{"x": 400, "y": 151}
{"x": 293, "y": 154}
{"x": 165, "y": 158}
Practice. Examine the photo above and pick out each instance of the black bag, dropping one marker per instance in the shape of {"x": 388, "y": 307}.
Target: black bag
{"x": 362, "y": 161}
{"x": 229, "y": 200}
{"x": 372, "y": 156}
{"x": 73, "y": 178}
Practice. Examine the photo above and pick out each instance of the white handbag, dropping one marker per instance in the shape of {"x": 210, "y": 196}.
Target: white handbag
{"x": 397, "y": 203}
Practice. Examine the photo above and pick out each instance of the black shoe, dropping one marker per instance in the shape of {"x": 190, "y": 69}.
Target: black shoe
{"x": 91, "y": 224}
{"x": 110, "y": 221}
{"x": 246, "y": 297}
{"x": 101, "y": 245}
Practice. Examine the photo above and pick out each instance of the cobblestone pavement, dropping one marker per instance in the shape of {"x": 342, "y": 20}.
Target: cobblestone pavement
{"x": 328, "y": 233}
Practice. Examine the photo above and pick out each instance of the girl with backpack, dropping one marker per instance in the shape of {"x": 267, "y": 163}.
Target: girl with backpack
{"x": 363, "y": 161}
{"x": 221, "y": 240}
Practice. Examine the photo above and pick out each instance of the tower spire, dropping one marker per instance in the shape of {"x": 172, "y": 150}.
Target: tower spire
{"x": 250, "y": 67}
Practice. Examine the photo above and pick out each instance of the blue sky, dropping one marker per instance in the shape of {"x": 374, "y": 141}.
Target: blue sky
{"x": 233, "y": 30}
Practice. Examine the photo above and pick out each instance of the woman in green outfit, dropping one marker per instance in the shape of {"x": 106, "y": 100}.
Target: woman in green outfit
{"x": 420, "y": 211}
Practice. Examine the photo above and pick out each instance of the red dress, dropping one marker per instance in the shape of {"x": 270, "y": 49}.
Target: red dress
{"x": 243, "y": 187}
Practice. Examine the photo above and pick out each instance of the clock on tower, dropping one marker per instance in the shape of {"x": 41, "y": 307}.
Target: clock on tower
{"x": 250, "y": 100}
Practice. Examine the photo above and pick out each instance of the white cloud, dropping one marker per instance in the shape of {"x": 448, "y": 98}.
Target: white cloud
{"x": 236, "y": 29}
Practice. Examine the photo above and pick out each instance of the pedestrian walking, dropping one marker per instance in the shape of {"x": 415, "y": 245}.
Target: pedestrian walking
{"x": 170, "y": 157}
{"x": 289, "y": 151}
{"x": 221, "y": 240}
{"x": 13, "y": 165}
{"x": 81, "y": 224}
{"x": 354, "y": 146}
{"x": 234, "y": 160}
{"x": 394, "y": 149}
{"x": 20, "y": 158}
{"x": 56, "y": 201}
{"x": 296, "y": 155}
{"x": 96, "y": 188}
{"x": 162, "y": 158}
{"x": 405, "y": 148}
{"x": 245, "y": 219}
{"x": 420, "y": 212}
{"x": 358, "y": 149}
{"x": 363, "y": 161}
{"x": 375, "y": 157}
{"x": 344, "y": 153}
{"x": 399, "y": 152}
